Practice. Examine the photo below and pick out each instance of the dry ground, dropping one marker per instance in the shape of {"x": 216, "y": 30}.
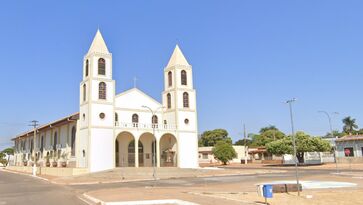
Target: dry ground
{"x": 244, "y": 192}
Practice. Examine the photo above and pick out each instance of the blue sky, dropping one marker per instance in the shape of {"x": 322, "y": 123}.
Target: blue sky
{"x": 247, "y": 56}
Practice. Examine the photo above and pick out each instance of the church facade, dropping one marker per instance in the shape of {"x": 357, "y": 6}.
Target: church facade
{"x": 129, "y": 129}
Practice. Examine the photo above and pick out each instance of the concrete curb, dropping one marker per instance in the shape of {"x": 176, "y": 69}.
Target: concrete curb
{"x": 27, "y": 174}
{"x": 91, "y": 199}
{"x": 109, "y": 182}
{"x": 141, "y": 202}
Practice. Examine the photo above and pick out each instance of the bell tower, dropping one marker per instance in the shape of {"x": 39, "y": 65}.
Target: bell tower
{"x": 96, "y": 121}
{"x": 179, "y": 99}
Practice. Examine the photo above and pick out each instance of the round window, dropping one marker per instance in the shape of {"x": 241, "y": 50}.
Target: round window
{"x": 102, "y": 115}
{"x": 186, "y": 121}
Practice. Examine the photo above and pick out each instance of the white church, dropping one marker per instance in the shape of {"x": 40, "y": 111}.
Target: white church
{"x": 129, "y": 129}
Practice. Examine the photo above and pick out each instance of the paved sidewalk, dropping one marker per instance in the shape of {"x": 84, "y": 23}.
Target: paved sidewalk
{"x": 332, "y": 166}
{"x": 140, "y": 174}
{"x": 237, "y": 192}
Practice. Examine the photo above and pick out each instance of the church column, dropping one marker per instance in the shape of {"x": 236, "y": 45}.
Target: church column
{"x": 158, "y": 152}
{"x": 136, "y": 152}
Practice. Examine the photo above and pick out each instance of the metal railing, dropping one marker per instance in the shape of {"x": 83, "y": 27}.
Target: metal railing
{"x": 146, "y": 126}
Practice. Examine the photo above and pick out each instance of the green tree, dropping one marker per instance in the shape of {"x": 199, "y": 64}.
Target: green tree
{"x": 304, "y": 143}
{"x": 224, "y": 152}
{"x": 211, "y": 137}
{"x": 243, "y": 142}
{"x": 9, "y": 151}
{"x": 271, "y": 127}
{"x": 267, "y": 135}
{"x": 280, "y": 147}
{"x": 336, "y": 133}
{"x": 349, "y": 125}
{"x": 360, "y": 132}
{"x": 3, "y": 161}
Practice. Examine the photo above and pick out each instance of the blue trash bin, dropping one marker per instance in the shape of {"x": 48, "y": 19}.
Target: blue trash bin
{"x": 267, "y": 190}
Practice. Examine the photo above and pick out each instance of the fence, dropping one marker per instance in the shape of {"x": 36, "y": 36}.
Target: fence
{"x": 311, "y": 158}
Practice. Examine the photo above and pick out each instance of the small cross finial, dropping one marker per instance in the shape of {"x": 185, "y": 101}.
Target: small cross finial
{"x": 135, "y": 81}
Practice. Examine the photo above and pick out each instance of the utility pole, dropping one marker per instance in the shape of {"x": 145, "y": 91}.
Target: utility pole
{"x": 245, "y": 136}
{"x": 294, "y": 144}
{"x": 34, "y": 125}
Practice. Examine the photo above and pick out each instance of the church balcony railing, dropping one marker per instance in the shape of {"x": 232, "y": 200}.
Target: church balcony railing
{"x": 169, "y": 127}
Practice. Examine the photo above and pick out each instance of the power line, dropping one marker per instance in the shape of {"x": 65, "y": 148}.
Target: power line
{"x": 34, "y": 124}
{"x": 14, "y": 124}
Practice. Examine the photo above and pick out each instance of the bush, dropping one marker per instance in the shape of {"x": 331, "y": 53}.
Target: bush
{"x": 224, "y": 152}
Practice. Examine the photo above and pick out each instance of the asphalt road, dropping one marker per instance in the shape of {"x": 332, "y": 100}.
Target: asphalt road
{"x": 21, "y": 189}
{"x": 247, "y": 181}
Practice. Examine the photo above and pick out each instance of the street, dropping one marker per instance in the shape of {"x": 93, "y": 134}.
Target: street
{"x": 246, "y": 181}
{"x": 21, "y": 189}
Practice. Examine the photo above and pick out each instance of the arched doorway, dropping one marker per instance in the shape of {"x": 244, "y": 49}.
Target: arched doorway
{"x": 168, "y": 151}
{"x": 149, "y": 153}
{"x": 122, "y": 156}
{"x": 131, "y": 153}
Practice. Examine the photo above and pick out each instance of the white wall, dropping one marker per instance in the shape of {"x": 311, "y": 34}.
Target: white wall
{"x": 109, "y": 87}
{"x": 101, "y": 108}
{"x": 135, "y": 99}
{"x": 188, "y": 142}
{"x": 101, "y": 156}
{"x": 94, "y": 66}
{"x": 82, "y": 144}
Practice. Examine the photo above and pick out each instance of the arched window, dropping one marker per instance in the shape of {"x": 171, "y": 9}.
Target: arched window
{"x": 184, "y": 77}
{"x": 42, "y": 143}
{"x": 168, "y": 96}
{"x": 31, "y": 145}
{"x": 86, "y": 67}
{"x": 154, "y": 121}
{"x": 84, "y": 92}
{"x": 73, "y": 141}
{"x": 185, "y": 99}
{"x": 55, "y": 137}
{"x": 116, "y": 118}
{"x": 102, "y": 91}
{"x": 101, "y": 66}
{"x": 135, "y": 120}
{"x": 170, "y": 78}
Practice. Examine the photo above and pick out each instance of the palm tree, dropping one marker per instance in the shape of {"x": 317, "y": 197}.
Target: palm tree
{"x": 349, "y": 125}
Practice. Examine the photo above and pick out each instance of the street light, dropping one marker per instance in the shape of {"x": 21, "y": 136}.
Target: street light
{"x": 155, "y": 144}
{"x": 294, "y": 144}
{"x": 331, "y": 133}
{"x": 34, "y": 125}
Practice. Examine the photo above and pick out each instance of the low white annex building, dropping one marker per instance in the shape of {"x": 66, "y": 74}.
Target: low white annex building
{"x": 206, "y": 155}
{"x": 129, "y": 129}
